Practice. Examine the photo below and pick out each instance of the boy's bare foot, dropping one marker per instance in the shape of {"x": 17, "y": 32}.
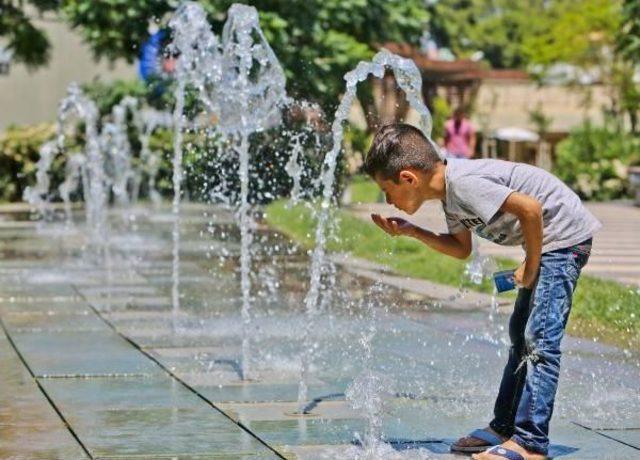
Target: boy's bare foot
{"x": 511, "y": 445}
{"x": 470, "y": 441}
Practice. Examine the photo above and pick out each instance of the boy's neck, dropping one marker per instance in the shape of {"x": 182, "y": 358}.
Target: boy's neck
{"x": 435, "y": 185}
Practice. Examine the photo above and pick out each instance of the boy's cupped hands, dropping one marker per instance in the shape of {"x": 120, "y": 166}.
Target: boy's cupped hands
{"x": 394, "y": 226}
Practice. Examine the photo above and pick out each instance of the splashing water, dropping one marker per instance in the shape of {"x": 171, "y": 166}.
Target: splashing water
{"x": 115, "y": 144}
{"x": 369, "y": 391}
{"x": 38, "y": 195}
{"x": 93, "y": 168}
{"x": 294, "y": 167}
{"x": 74, "y": 172}
{"x": 149, "y": 121}
{"x": 242, "y": 81}
{"x": 408, "y": 77}
{"x": 178, "y": 122}
{"x": 250, "y": 99}
{"x": 480, "y": 267}
{"x": 199, "y": 50}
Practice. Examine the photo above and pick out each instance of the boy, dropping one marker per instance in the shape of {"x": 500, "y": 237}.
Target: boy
{"x": 509, "y": 204}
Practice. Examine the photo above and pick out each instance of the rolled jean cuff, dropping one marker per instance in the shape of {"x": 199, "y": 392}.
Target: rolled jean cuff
{"x": 530, "y": 446}
{"x": 502, "y": 429}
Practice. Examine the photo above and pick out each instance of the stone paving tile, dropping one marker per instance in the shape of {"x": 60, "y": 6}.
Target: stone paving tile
{"x": 41, "y": 292}
{"x": 631, "y": 437}
{"x": 45, "y": 306}
{"x": 154, "y": 336}
{"x": 29, "y": 426}
{"x": 210, "y": 456}
{"x": 267, "y": 392}
{"x": 69, "y": 353}
{"x": 43, "y": 321}
{"x": 319, "y": 452}
{"x": 306, "y": 431}
{"x": 410, "y": 451}
{"x": 124, "y": 302}
{"x": 415, "y": 421}
{"x": 328, "y": 410}
{"x": 129, "y": 290}
{"x": 147, "y": 416}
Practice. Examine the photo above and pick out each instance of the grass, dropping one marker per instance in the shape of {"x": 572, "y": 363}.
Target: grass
{"x": 603, "y": 310}
{"x": 364, "y": 190}
{"x": 405, "y": 255}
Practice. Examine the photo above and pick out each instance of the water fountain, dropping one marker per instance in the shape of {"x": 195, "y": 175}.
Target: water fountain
{"x": 197, "y": 66}
{"x": 94, "y": 179}
{"x": 75, "y": 173}
{"x": 370, "y": 389}
{"x": 410, "y": 81}
{"x": 149, "y": 121}
{"x": 250, "y": 99}
{"x": 38, "y": 195}
{"x": 240, "y": 80}
{"x": 295, "y": 167}
{"x": 115, "y": 144}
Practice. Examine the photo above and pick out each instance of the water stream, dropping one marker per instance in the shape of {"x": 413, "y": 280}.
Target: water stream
{"x": 410, "y": 81}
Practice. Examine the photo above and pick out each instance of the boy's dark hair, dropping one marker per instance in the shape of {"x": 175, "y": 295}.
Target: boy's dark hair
{"x": 399, "y": 146}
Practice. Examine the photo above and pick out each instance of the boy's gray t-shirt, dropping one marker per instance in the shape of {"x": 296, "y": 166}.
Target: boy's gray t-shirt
{"x": 476, "y": 189}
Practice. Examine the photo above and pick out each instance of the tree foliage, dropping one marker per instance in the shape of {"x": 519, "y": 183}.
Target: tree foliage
{"x": 576, "y": 32}
{"x": 497, "y": 28}
{"x": 28, "y": 43}
{"x": 628, "y": 48}
{"x": 628, "y": 38}
{"x": 317, "y": 41}
{"x": 517, "y": 33}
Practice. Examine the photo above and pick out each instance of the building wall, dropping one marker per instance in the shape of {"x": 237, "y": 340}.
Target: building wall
{"x": 32, "y": 97}
{"x": 502, "y": 103}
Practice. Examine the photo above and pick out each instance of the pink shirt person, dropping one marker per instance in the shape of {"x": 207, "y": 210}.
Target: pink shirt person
{"x": 459, "y": 136}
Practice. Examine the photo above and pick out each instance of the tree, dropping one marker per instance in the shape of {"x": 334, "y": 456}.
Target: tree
{"x": 28, "y": 43}
{"x": 628, "y": 48}
{"x": 581, "y": 33}
{"x": 497, "y": 28}
{"x": 317, "y": 41}
{"x": 628, "y": 37}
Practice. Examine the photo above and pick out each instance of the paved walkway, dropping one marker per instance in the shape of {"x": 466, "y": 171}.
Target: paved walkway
{"x": 616, "y": 252}
{"x": 96, "y": 362}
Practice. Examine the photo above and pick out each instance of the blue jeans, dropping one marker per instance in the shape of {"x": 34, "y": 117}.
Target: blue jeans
{"x": 524, "y": 404}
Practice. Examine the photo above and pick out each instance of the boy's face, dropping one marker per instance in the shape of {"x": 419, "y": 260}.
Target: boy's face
{"x": 405, "y": 194}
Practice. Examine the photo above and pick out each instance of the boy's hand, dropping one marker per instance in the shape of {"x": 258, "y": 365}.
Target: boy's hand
{"x": 526, "y": 275}
{"x": 394, "y": 226}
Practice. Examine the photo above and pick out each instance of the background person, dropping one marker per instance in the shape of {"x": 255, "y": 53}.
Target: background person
{"x": 459, "y": 135}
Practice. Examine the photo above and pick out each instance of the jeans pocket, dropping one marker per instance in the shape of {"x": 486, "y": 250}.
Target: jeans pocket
{"x": 577, "y": 260}
{"x": 583, "y": 248}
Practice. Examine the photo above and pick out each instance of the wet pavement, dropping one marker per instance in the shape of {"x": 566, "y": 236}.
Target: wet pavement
{"x": 95, "y": 361}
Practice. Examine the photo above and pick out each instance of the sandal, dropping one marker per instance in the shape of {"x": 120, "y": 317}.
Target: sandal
{"x": 505, "y": 453}
{"x": 483, "y": 435}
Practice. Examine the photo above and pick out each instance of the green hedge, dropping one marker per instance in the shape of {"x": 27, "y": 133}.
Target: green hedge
{"x": 593, "y": 161}
{"x": 19, "y": 147}
{"x": 208, "y": 162}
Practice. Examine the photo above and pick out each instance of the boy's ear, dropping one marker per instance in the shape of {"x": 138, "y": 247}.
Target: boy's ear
{"x": 408, "y": 176}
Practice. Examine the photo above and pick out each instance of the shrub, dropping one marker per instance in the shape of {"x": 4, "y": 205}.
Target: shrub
{"x": 593, "y": 161}
{"x": 441, "y": 113}
{"x": 209, "y": 162}
{"x": 19, "y": 147}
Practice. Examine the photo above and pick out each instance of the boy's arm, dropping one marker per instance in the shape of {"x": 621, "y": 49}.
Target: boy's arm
{"x": 457, "y": 245}
{"x": 528, "y": 210}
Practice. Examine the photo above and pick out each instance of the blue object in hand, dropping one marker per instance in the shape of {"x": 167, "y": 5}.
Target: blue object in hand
{"x": 504, "y": 280}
